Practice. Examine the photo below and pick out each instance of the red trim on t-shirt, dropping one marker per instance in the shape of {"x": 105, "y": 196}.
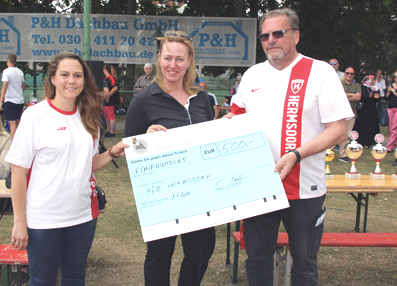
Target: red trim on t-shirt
{"x": 60, "y": 110}
{"x": 236, "y": 110}
{"x": 291, "y": 134}
{"x": 112, "y": 80}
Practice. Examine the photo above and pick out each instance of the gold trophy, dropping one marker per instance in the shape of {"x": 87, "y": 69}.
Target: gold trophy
{"x": 395, "y": 156}
{"x": 353, "y": 151}
{"x": 378, "y": 152}
{"x": 329, "y": 156}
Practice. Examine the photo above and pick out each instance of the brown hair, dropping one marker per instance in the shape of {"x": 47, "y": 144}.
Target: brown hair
{"x": 111, "y": 70}
{"x": 393, "y": 80}
{"x": 88, "y": 101}
{"x": 12, "y": 58}
{"x": 189, "y": 80}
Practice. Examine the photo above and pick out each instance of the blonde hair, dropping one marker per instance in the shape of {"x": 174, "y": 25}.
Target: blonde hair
{"x": 111, "y": 70}
{"x": 189, "y": 79}
{"x": 88, "y": 101}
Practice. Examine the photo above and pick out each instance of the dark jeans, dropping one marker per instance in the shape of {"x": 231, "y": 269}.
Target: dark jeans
{"x": 197, "y": 247}
{"x": 261, "y": 234}
{"x": 67, "y": 247}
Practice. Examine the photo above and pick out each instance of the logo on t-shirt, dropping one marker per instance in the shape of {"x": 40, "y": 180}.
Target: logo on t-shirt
{"x": 296, "y": 85}
{"x": 61, "y": 128}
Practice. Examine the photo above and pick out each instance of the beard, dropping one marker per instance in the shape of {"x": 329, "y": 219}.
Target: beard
{"x": 283, "y": 56}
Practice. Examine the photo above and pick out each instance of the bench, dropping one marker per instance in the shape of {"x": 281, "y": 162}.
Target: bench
{"x": 11, "y": 261}
{"x": 283, "y": 255}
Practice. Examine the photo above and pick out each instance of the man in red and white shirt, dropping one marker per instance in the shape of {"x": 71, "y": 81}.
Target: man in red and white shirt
{"x": 304, "y": 110}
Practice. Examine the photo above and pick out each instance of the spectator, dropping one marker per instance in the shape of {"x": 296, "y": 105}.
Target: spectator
{"x": 55, "y": 214}
{"x": 173, "y": 100}
{"x": 11, "y": 99}
{"x": 144, "y": 80}
{"x": 112, "y": 99}
{"x": 380, "y": 82}
{"x": 392, "y": 112}
{"x": 235, "y": 87}
{"x": 227, "y": 101}
{"x": 335, "y": 64}
{"x": 5, "y": 142}
{"x": 353, "y": 93}
{"x": 302, "y": 120}
{"x": 367, "y": 123}
{"x": 213, "y": 100}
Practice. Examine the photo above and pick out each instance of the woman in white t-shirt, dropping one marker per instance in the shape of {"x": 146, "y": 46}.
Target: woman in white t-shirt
{"x": 56, "y": 147}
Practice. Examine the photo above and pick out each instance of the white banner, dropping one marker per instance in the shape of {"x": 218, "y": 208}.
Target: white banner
{"x": 126, "y": 38}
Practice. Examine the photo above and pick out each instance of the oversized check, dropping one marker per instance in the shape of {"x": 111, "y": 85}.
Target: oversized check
{"x": 202, "y": 175}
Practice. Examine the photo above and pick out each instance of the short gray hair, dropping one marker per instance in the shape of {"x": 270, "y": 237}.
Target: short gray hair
{"x": 147, "y": 65}
{"x": 291, "y": 15}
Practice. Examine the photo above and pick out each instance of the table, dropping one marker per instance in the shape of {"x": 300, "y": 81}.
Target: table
{"x": 364, "y": 187}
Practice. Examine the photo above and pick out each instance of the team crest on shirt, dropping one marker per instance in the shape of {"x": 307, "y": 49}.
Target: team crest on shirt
{"x": 296, "y": 85}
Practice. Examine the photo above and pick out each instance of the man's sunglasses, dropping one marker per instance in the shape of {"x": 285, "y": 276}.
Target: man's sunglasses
{"x": 276, "y": 34}
{"x": 333, "y": 64}
{"x": 349, "y": 73}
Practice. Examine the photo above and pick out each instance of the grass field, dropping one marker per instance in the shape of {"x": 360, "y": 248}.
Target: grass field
{"x": 118, "y": 250}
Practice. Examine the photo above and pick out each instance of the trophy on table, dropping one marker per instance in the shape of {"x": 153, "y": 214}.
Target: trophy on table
{"x": 378, "y": 152}
{"x": 395, "y": 156}
{"x": 353, "y": 152}
{"x": 329, "y": 156}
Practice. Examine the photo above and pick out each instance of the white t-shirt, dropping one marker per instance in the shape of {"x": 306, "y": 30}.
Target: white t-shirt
{"x": 214, "y": 97}
{"x": 59, "y": 151}
{"x": 382, "y": 87}
{"x": 263, "y": 89}
{"x": 15, "y": 78}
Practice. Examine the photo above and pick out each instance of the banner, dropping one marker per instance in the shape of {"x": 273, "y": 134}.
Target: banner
{"x": 126, "y": 38}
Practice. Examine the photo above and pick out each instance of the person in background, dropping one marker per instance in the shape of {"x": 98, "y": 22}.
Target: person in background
{"x": 213, "y": 100}
{"x": 335, "y": 64}
{"x": 298, "y": 141}
{"x": 391, "y": 96}
{"x": 56, "y": 143}
{"x": 173, "y": 100}
{"x": 367, "y": 122}
{"x": 235, "y": 87}
{"x": 144, "y": 80}
{"x": 11, "y": 98}
{"x": 5, "y": 143}
{"x": 227, "y": 101}
{"x": 380, "y": 82}
{"x": 112, "y": 95}
{"x": 353, "y": 94}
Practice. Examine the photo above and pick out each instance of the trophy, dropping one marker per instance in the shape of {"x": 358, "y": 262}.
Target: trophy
{"x": 329, "y": 156}
{"x": 395, "y": 156}
{"x": 353, "y": 151}
{"x": 378, "y": 152}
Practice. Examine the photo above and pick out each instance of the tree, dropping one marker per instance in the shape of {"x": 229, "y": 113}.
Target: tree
{"x": 359, "y": 33}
